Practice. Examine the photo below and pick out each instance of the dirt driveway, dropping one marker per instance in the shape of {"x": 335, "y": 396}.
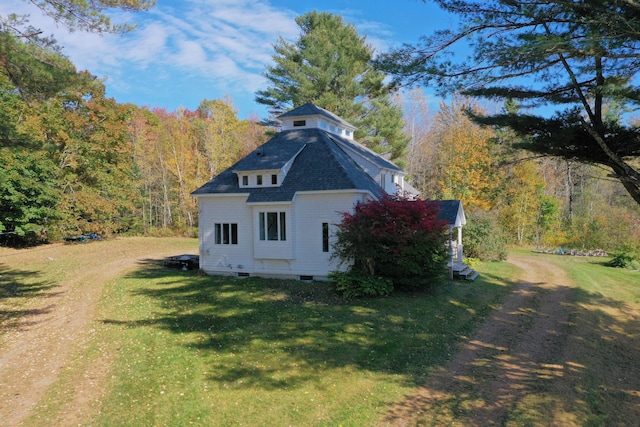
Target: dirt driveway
{"x": 36, "y": 350}
{"x": 499, "y": 367}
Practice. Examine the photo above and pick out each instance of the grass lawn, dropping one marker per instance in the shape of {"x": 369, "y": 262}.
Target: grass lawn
{"x": 177, "y": 348}
{"x": 188, "y": 349}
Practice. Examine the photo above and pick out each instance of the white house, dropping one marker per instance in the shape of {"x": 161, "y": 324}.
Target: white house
{"x": 273, "y": 213}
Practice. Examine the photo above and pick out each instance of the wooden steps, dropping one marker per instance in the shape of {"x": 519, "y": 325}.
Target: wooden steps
{"x": 463, "y": 271}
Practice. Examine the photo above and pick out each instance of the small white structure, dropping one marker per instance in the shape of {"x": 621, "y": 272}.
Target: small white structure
{"x": 274, "y": 213}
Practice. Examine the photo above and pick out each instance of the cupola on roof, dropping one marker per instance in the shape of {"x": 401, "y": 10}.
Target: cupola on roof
{"x": 310, "y": 116}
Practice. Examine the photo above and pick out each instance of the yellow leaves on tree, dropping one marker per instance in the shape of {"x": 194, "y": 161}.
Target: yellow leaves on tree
{"x": 179, "y": 151}
{"x": 522, "y": 199}
{"x": 465, "y": 165}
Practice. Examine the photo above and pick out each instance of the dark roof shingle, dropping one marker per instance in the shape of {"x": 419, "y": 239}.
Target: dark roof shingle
{"x": 447, "y": 209}
{"x": 319, "y": 164}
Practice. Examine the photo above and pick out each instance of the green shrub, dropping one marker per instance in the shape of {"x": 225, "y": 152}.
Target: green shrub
{"x": 483, "y": 238}
{"x": 353, "y": 285}
{"x": 624, "y": 259}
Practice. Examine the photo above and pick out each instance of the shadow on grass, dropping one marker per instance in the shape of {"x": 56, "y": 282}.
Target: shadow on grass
{"x": 550, "y": 356}
{"x": 275, "y": 334}
{"x": 272, "y": 334}
{"x": 16, "y": 288}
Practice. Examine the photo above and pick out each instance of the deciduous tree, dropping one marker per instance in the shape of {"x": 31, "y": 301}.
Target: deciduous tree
{"x": 521, "y": 201}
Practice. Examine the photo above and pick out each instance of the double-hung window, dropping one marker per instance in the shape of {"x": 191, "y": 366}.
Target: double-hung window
{"x": 226, "y": 234}
{"x": 273, "y": 225}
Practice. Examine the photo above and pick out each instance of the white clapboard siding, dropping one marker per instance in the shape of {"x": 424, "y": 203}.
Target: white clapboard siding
{"x": 224, "y": 259}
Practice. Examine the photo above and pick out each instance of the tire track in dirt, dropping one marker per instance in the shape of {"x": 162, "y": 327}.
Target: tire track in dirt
{"x": 517, "y": 346}
{"x": 38, "y": 350}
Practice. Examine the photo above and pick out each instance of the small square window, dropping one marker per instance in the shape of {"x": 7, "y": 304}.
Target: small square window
{"x": 299, "y": 123}
{"x": 274, "y": 179}
{"x": 259, "y": 180}
{"x": 245, "y": 180}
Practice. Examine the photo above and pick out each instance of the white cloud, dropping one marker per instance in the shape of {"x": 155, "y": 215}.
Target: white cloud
{"x": 224, "y": 45}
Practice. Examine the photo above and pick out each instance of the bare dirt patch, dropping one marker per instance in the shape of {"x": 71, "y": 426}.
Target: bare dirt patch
{"x": 519, "y": 346}
{"x": 36, "y": 346}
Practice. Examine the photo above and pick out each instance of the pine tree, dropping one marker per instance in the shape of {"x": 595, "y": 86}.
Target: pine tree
{"x": 577, "y": 57}
{"x": 330, "y": 66}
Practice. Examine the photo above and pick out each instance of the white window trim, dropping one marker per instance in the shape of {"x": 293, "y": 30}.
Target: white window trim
{"x": 280, "y": 233}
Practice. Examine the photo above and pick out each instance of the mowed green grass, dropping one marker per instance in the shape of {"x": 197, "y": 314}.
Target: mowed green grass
{"x": 188, "y": 349}
{"x": 178, "y": 348}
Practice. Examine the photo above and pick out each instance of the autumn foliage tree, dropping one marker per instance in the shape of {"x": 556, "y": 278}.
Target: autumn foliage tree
{"x": 578, "y": 59}
{"x": 467, "y": 165}
{"x": 177, "y": 151}
{"x": 390, "y": 243}
{"x": 522, "y": 201}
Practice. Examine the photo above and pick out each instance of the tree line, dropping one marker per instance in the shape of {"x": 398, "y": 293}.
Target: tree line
{"x": 513, "y": 196}
{"x": 73, "y": 160}
{"x": 80, "y": 162}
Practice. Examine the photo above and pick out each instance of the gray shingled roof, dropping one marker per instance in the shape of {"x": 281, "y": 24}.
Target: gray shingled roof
{"x": 275, "y": 153}
{"x": 447, "y": 209}
{"x": 364, "y": 152}
{"x": 310, "y": 109}
{"x": 320, "y": 164}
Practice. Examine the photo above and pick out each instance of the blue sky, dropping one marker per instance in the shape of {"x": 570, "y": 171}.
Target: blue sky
{"x": 185, "y": 51}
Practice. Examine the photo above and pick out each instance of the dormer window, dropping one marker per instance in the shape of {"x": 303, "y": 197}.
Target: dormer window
{"x": 274, "y": 179}
{"x": 245, "y": 180}
{"x": 259, "y": 180}
{"x": 299, "y": 123}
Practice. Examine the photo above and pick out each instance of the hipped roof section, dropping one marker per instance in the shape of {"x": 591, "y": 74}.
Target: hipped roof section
{"x": 320, "y": 163}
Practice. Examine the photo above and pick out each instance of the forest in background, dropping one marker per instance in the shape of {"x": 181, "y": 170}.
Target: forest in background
{"x": 83, "y": 163}
{"x": 510, "y": 194}
{"x": 74, "y": 161}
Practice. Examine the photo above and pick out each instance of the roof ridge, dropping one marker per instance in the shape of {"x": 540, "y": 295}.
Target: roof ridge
{"x": 360, "y": 146}
{"x": 333, "y": 144}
